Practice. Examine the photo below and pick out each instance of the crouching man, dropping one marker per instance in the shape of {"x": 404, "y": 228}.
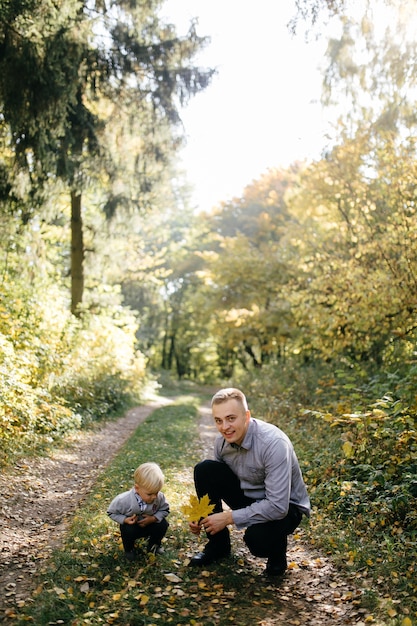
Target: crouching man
{"x": 257, "y": 474}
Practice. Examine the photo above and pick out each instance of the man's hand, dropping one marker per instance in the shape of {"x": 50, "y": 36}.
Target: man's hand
{"x": 195, "y": 528}
{"x": 131, "y": 520}
{"x": 215, "y": 523}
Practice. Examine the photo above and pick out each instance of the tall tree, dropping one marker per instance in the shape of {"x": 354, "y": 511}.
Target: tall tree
{"x": 363, "y": 275}
{"x": 371, "y": 60}
{"x": 93, "y": 68}
{"x": 354, "y": 293}
{"x": 248, "y": 264}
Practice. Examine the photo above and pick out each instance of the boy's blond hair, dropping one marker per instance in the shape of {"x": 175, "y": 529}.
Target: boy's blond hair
{"x": 149, "y": 476}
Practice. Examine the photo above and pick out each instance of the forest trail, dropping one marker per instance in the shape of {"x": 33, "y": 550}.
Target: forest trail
{"x": 39, "y": 496}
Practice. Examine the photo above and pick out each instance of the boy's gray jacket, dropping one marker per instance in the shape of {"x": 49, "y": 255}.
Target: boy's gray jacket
{"x": 126, "y": 504}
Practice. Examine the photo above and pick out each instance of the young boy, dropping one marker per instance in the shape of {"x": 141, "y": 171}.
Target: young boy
{"x": 142, "y": 510}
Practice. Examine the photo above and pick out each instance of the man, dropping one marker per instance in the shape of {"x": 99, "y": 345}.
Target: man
{"x": 257, "y": 474}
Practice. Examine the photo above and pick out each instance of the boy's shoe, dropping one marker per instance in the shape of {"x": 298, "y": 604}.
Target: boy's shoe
{"x": 131, "y": 556}
{"x": 155, "y": 548}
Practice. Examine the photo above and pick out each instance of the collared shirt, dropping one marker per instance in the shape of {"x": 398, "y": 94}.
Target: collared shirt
{"x": 269, "y": 472}
{"x": 141, "y": 503}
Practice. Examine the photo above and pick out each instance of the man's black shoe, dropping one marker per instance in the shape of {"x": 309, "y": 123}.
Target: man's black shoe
{"x": 203, "y": 558}
{"x": 275, "y": 569}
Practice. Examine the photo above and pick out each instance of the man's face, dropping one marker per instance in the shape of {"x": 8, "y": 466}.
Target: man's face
{"x": 231, "y": 420}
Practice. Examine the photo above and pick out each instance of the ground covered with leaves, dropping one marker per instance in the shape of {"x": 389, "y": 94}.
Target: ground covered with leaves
{"x": 62, "y": 561}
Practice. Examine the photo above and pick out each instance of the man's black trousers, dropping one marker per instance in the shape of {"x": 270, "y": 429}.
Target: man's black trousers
{"x": 266, "y": 540}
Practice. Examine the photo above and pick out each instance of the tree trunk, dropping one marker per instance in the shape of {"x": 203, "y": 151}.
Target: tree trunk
{"x": 77, "y": 253}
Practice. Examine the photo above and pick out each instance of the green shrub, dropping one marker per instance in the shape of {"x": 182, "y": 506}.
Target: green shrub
{"x": 59, "y": 372}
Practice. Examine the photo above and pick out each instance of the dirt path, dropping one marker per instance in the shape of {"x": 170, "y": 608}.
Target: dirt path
{"x": 38, "y": 497}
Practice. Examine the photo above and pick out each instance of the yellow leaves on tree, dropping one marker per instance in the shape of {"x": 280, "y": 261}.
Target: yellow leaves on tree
{"x": 197, "y": 509}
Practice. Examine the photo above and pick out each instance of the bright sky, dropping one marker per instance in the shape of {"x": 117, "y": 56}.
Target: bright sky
{"x": 262, "y": 109}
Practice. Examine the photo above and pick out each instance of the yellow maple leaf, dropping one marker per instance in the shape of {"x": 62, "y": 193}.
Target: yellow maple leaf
{"x": 197, "y": 509}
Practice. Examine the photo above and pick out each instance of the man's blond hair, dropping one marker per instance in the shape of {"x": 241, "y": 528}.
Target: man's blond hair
{"x": 230, "y": 393}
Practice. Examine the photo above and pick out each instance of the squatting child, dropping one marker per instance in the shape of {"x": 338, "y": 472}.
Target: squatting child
{"x": 142, "y": 511}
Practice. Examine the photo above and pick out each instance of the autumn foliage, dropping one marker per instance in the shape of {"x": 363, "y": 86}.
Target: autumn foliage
{"x": 60, "y": 374}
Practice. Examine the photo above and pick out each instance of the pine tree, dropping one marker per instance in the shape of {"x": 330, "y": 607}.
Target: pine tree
{"x": 77, "y": 82}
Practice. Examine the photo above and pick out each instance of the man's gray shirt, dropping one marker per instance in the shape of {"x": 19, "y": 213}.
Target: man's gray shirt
{"x": 269, "y": 473}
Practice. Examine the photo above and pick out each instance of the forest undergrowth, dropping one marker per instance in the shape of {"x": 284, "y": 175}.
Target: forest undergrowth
{"x": 358, "y": 454}
{"x": 89, "y": 584}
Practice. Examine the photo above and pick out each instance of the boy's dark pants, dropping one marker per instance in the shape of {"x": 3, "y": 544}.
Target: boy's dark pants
{"x": 155, "y": 532}
{"x": 267, "y": 540}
